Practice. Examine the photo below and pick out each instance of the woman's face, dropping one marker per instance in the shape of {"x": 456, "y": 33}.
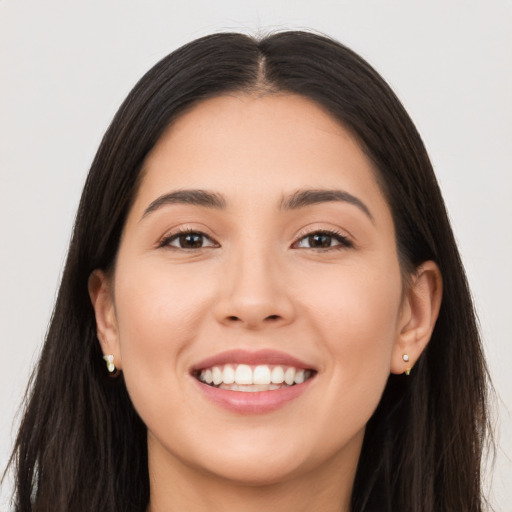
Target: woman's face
{"x": 259, "y": 248}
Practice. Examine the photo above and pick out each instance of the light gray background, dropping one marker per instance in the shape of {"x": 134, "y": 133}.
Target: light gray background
{"x": 65, "y": 66}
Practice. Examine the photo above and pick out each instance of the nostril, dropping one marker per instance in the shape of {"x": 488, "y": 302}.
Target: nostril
{"x": 273, "y": 317}
{"x": 233, "y": 318}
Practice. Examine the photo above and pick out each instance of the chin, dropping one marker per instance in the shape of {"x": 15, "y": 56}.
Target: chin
{"x": 276, "y": 459}
{"x": 262, "y": 472}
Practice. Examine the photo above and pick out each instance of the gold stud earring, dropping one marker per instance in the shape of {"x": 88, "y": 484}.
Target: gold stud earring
{"x": 109, "y": 359}
{"x": 405, "y": 357}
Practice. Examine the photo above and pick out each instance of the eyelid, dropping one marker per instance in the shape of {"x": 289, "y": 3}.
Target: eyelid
{"x": 344, "y": 239}
{"x": 183, "y": 230}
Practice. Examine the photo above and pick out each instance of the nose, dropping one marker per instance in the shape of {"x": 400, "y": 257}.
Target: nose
{"x": 254, "y": 293}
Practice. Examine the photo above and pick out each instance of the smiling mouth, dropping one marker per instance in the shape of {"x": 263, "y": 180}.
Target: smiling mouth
{"x": 243, "y": 377}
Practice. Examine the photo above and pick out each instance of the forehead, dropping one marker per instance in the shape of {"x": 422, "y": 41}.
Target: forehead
{"x": 258, "y": 146}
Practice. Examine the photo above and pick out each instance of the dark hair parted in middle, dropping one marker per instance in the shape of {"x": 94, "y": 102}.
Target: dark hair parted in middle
{"x": 423, "y": 444}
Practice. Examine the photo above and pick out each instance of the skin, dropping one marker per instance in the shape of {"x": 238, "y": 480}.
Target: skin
{"x": 256, "y": 284}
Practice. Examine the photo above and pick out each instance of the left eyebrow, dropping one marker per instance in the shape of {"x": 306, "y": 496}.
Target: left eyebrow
{"x": 303, "y": 198}
{"x": 194, "y": 197}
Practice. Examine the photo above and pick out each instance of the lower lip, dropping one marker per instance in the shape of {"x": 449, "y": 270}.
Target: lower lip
{"x": 257, "y": 402}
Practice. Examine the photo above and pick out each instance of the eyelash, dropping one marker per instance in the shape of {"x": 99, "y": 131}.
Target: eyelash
{"x": 166, "y": 241}
{"x": 343, "y": 241}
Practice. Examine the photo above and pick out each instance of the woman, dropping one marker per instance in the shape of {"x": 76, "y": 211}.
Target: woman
{"x": 263, "y": 260}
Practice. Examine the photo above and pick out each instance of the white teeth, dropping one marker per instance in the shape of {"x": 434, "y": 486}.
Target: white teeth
{"x": 252, "y": 388}
{"x": 216, "y": 375}
{"x": 277, "y": 375}
{"x": 261, "y": 375}
{"x": 243, "y": 374}
{"x": 228, "y": 374}
{"x": 243, "y": 377}
{"x": 208, "y": 376}
{"x": 299, "y": 377}
{"x": 289, "y": 376}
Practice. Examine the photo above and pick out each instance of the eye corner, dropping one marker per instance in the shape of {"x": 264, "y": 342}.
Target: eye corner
{"x": 197, "y": 239}
{"x": 324, "y": 239}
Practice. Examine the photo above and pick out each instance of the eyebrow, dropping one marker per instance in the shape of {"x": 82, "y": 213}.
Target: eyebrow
{"x": 303, "y": 198}
{"x": 192, "y": 197}
{"x": 295, "y": 201}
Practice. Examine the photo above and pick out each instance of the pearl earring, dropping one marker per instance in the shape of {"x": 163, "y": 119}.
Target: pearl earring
{"x": 109, "y": 359}
{"x": 405, "y": 357}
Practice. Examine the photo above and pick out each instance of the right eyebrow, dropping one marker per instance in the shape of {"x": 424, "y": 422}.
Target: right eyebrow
{"x": 303, "y": 198}
{"x": 196, "y": 197}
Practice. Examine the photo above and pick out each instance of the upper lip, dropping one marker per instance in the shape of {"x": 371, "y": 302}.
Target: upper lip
{"x": 240, "y": 356}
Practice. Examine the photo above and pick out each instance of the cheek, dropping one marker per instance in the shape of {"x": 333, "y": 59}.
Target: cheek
{"x": 359, "y": 310}
{"x": 153, "y": 310}
{"x": 158, "y": 316}
{"x": 158, "y": 300}
{"x": 357, "y": 321}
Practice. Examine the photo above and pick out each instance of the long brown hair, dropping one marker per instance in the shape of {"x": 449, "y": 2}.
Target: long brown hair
{"x": 81, "y": 445}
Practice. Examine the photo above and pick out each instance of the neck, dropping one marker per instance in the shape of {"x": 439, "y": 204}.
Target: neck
{"x": 176, "y": 487}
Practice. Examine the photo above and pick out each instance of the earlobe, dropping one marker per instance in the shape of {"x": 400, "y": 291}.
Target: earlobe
{"x": 100, "y": 293}
{"x": 419, "y": 314}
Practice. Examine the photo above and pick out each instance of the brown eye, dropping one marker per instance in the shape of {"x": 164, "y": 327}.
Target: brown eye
{"x": 191, "y": 241}
{"x": 319, "y": 240}
{"x": 188, "y": 240}
{"x": 323, "y": 240}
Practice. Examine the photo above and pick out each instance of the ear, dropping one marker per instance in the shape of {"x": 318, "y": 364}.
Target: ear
{"x": 102, "y": 298}
{"x": 419, "y": 313}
